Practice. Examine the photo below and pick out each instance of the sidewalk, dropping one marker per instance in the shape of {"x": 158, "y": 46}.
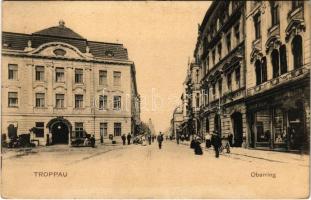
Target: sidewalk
{"x": 272, "y": 156}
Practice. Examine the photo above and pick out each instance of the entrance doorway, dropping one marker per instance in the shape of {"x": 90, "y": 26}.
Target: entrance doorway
{"x": 59, "y": 133}
{"x": 237, "y": 128}
{"x": 296, "y": 127}
{"x": 60, "y": 129}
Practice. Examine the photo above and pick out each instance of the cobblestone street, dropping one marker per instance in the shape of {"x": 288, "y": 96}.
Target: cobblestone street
{"x": 135, "y": 171}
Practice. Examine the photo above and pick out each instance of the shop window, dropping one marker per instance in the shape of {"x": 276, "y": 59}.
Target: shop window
{"x": 279, "y": 126}
{"x": 283, "y": 59}
{"x": 117, "y": 129}
{"x": 297, "y": 51}
{"x": 275, "y": 63}
{"x": 79, "y": 130}
{"x": 263, "y": 126}
{"x": 39, "y": 129}
{"x": 103, "y": 129}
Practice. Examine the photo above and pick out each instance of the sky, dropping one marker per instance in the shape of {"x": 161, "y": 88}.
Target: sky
{"x": 160, "y": 38}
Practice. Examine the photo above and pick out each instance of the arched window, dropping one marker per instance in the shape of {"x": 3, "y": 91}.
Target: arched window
{"x": 258, "y": 72}
{"x": 297, "y": 51}
{"x": 283, "y": 59}
{"x": 275, "y": 63}
{"x": 264, "y": 69}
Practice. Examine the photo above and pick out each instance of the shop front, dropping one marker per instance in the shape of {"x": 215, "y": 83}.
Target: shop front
{"x": 279, "y": 121}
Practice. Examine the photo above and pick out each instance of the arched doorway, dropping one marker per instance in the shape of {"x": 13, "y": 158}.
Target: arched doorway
{"x": 60, "y": 129}
{"x": 217, "y": 124}
{"x": 237, "y": 123}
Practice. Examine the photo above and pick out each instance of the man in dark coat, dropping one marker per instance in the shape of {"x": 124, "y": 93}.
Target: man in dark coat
{"x": 160, "y": 140}
{"x": 92, "y": 140}
{"x": 216, "y": 142}
{"x": 123, "y": 137}
{"x": 129, "y": 138}
{"x": 230, "y": 139}
{"x": 149, "y": 139}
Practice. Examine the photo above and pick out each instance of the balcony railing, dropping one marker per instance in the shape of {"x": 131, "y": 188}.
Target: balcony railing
{"x": 284, "y": 78}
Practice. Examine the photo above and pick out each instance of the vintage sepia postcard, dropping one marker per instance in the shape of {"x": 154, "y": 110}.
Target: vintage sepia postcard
{"x": 154, "y": 100}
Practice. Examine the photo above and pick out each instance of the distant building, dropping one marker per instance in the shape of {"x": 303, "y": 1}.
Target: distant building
{"x": 64, "y": 86}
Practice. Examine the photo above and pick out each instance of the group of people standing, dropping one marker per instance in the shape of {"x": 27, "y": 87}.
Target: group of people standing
{"x": 211, "y": 139}
{"x": 128, "y": 137}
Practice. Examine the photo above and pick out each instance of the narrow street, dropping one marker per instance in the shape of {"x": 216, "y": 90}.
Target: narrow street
{"x": 137, "y": 171}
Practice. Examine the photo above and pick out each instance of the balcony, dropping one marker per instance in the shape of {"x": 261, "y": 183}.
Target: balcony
{"x": 281, "y": 80}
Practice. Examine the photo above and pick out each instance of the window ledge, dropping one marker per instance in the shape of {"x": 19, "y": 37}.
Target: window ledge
{"x": 274, "y": 27}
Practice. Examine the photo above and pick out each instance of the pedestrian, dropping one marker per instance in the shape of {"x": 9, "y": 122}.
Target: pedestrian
{"x": 129, "y": 138}
{"x": 149, "y": 139}
{"x": 123, "y": 137}
{"x": 92, "y": 140}
{"x": 160, "y": 140}
{"x": 216, "y": 142}
{"x": 230, "y": 139}
{"x": 47, "y": 140}
{"x": 197, "y": 147}
{"x": 177, "y": 138}
{"x": 152, "y": 138}
{"x": 208, "y": 140}
{"x": 192, "y": 143}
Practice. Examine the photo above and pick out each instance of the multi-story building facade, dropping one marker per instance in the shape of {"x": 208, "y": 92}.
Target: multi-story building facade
{"x": 278, "y": 68}
{"x": 176, "y": 122}
{"x": 219, "y": 53}
{"x": 62, "y": 86}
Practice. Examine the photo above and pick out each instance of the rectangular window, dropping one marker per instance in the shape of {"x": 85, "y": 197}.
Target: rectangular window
{"x": 296, "y": 4}
{"x": 213, "y": 57}
{"x": 197, "y": 102}
{"x": 116, "y": 78}
{"x": 117, "y": 129}
{"x": 103, "y": 129}
{"x": 257, "y": 24}
{"x": 228, "y": 40}
{"x": 103, "y": 104}
{"x": 220, "y": 87}
{"x": 274, "y": 13}
{"x": 79, "y": 130}
{"x": 40, "y": 99}
{"x": 117, "y": 102}
{"x": 238, "y": 77}
{"x": 78, "y": 101}
{"x": 78, "y": 75}
{"x": 39, "y": 73}
{"x": 237, "y": 33}
{"x": 59, "y": 100}
{"x": 263, "y": 131}
{"x": 229, "y": 82}
{"x": 59, "y": 74}
{"x": 279, "y": 125}
{"x": 219, "y": 51}
{"x": 102, "y": 77}
{"x": 214, "y": 91}
{"x": 12, "y": 72}
{"x": 39, "y": 129}
{"x": 13, "y": 99}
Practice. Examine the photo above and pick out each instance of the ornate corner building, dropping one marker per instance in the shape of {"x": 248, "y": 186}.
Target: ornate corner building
{"x": 252, "y": 66}
{"x": 63, "y": 86}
